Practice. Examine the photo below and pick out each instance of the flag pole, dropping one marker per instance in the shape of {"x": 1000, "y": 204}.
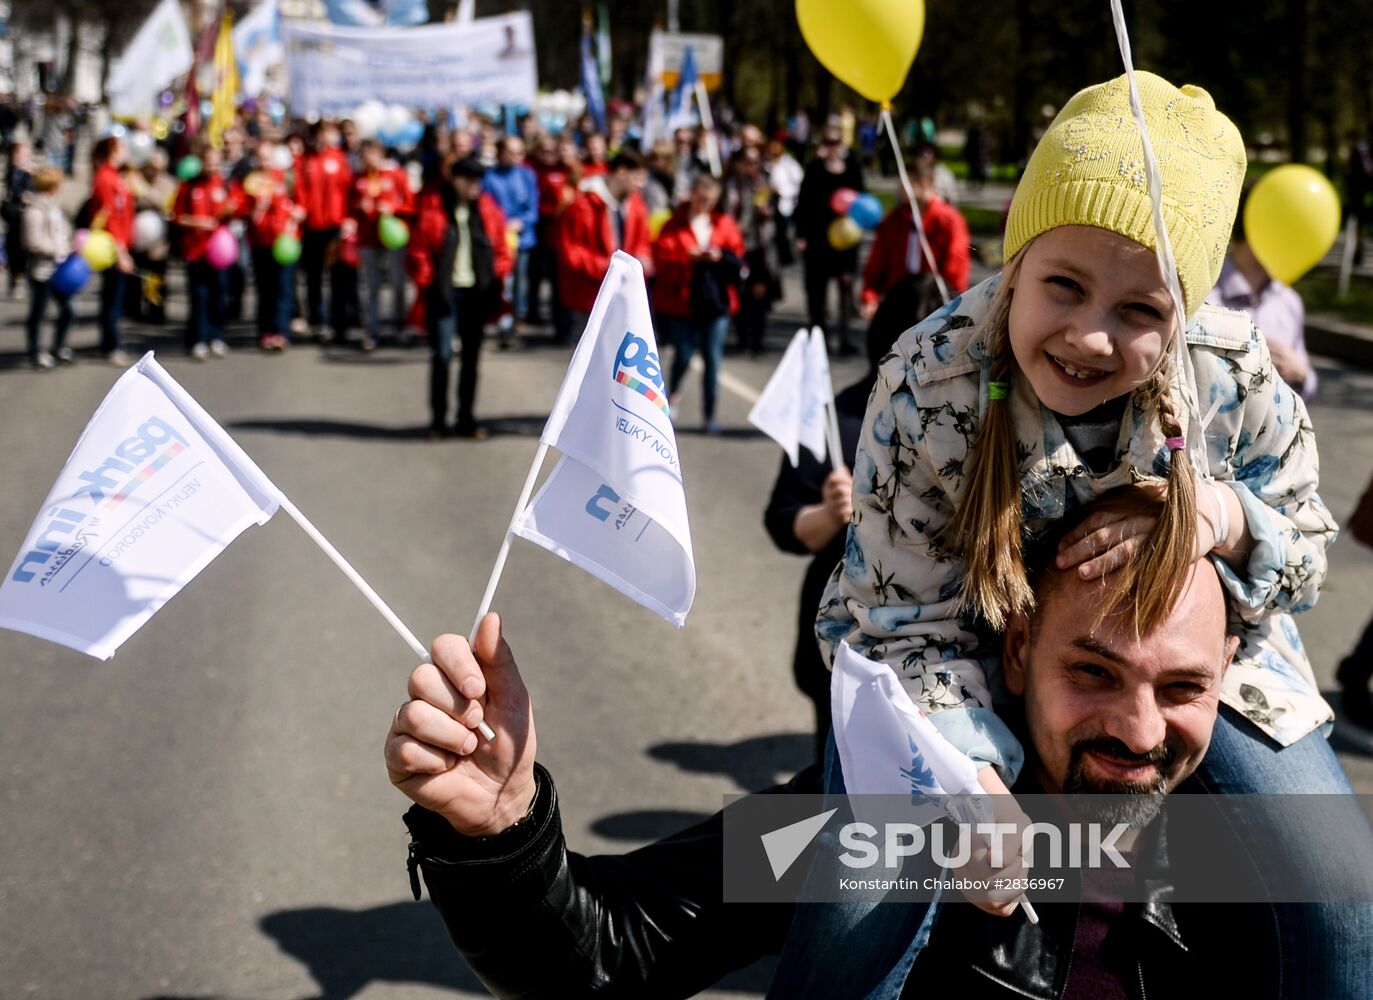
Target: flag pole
{"x": 833, "y": 441}
{"x": 504, "y": 552}
{"x": 910, "y": 199}
{"x": 364, "y": 587}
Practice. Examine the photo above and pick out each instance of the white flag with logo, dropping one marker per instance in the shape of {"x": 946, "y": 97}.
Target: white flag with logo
{"x": 886, "y": 744}
{"x": 615, "y": 504}
{"x": 153, "y": 491}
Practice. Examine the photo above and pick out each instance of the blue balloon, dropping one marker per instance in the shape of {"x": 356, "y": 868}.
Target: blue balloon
{"x": 866, "y": 210}
{"x": 410, "y": 133}
{"x": 71, "y": 275}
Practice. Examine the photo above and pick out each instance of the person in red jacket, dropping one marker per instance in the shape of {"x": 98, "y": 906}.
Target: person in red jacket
{"x": 270, "y": 213}
{"x": 698, "y": 258}
{"x": 459, "y": 258}
{"x": 111, "y": 209}
{"x": 557, "y": 187}
{"x": 608, "y": 215}
{"x": 323, "y": 181}
{"x": 896, "y": 250}
{"x": 202, "y": 205}
{"x": 380, "y": 188}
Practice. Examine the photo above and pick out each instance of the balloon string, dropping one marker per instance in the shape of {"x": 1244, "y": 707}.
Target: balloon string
{"x": 1163, "y": 250}
{"x": 910, "y": 198}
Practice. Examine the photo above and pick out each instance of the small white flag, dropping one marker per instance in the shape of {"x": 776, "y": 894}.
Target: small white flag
{"x": 886, "y": 744}
{"x": 615, "y": 504}
{"x": 791, "y": 407}
{"x": 153, "y": 491}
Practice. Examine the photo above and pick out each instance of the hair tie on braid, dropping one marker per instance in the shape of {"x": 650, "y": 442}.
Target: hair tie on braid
{"x": 1176, "y": 443}
{"x": 997, "y": 390}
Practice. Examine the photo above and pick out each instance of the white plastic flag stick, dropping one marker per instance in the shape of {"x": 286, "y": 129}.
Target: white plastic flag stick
{"x": 708, "y": 124}
{"x": 823, "y": 385}
{"x": 910, "y": 199}
{"x": 364, "y": 588}
{"x": 504, "y": 552}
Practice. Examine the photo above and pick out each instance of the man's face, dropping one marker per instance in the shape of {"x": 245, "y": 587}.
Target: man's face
{"x": 511, "y": 152}
{"x": 1112, "y": 715}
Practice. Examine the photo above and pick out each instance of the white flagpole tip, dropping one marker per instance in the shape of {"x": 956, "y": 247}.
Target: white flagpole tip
{"x": 1028, "y": 910}
{"x": 486, "y": 731}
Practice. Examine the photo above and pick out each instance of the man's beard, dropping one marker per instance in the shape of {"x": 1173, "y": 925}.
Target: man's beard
{"x": 1134, "y": 803}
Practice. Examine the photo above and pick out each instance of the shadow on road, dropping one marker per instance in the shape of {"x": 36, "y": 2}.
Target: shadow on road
{"x": 753, "y": 764}
{"x": 646, "y": 824}
{"x": 1347, "y": 737}
{"x": 1342, "y": 388}
{"x": 514, "y": 426}
{"x": 348, "y": 950}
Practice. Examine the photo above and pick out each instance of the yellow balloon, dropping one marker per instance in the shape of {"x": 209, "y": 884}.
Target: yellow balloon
{"x": 100, "y": 250}
{"x": 656, "y": 220}
{"x": 1291, "y": 219}
{"x": 869, "y": 44}
{"x": 844, "y": 233}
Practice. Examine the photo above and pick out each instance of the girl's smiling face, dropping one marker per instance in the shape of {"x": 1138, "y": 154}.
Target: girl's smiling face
{"x": 1090, "y": 317}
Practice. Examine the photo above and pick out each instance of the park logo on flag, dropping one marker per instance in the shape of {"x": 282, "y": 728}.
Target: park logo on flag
{"x": 153, "y": 491}
{"x": 615, "y": 504}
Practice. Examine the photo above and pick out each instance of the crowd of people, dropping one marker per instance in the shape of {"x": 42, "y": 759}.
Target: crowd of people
{"x": 346, "y": 240}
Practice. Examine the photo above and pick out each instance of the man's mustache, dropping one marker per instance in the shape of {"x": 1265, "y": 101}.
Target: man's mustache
{"x": 1162, "y": 755}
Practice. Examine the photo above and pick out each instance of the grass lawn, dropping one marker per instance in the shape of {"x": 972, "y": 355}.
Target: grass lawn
{"x": 1318, "y": 292}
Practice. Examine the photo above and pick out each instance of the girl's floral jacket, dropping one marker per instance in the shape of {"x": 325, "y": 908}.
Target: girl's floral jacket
{"x": 894, "y": 598}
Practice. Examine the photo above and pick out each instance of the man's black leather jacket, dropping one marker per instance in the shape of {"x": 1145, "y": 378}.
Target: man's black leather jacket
{"x": 533, "y": 919}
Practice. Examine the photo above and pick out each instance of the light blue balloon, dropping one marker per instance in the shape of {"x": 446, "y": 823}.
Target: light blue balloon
{"x": 866, "y": 210}
{"x": 410, "y": 133}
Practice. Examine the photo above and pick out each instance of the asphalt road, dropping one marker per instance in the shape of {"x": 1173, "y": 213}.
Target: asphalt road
{"x": 207, "y": 815}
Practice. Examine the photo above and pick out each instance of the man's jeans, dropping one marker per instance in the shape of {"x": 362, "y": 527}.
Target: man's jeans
{"x": 376, "y": 262}
{"x": 1327, "y": 948}
{"x": 111, "y": 308}
{"x": 205, "y": 286}
{"x": 687, "y": 335}
{"x": 516, "y": 294}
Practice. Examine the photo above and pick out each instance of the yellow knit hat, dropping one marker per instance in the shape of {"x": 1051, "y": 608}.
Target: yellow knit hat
{"x": 1088, "y": 170}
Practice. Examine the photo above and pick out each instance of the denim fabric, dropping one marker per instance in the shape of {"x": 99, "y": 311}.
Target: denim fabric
{"x": 111, "y": 308}
{"x": 39, "y": 293}
{"x": 1327, "y": 948}
{"x": 517, "y": 291}
{"x": 276, "y": 293}
{"x": 466, "y": 320}
{"x": 849, "y": 950}
{"x": 207, "y": 288}
{"x": 314, "y": 252}
{"x": 376, "y": 263}
{"x": 709, "y": 335}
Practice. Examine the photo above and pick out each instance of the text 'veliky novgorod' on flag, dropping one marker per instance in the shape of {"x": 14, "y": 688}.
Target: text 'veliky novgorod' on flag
{"x": 615, "y": 503}
{"x": 791, "y": 407}
{"x": 153, "y": 491}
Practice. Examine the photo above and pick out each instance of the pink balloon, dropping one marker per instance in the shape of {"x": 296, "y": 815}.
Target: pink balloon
{"x": 222, "y": 250}
{"x": 79, "y": 239}
{"x": 841, "y": 200}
